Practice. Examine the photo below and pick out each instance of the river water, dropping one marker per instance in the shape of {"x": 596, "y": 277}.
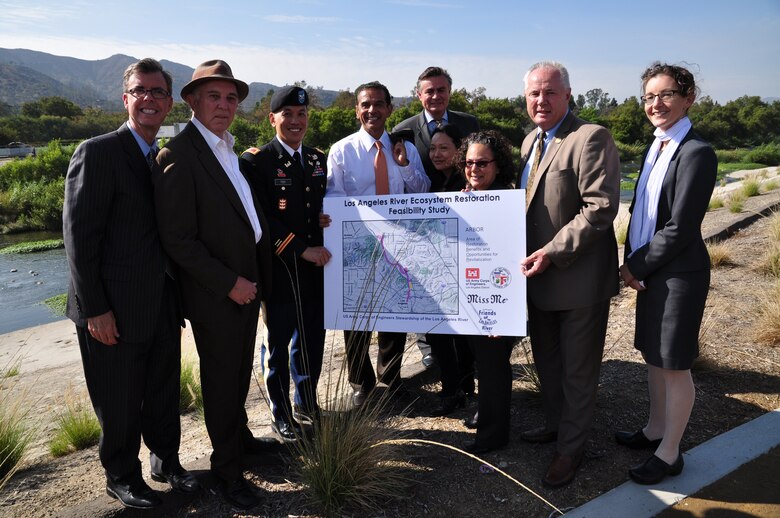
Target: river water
{"x": 36, "y": 277}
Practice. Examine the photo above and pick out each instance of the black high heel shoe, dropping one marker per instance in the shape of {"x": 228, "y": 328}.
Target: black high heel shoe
{"x": 448, "y": 404}
{"x": 471, "y": 422}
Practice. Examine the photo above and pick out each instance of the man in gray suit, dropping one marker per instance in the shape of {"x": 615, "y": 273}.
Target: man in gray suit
{"x": 120, "y": 297}
{"x": 571, "y": 174}
{"x": 434, "y": 87}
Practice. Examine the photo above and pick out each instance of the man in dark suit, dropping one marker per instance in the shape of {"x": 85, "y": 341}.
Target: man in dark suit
{"x": 290, "y": 180}
{"x": 123, "y": 303}
{"x": 571, "y": 174}
{"x": 212, "y": 227}
{"x": 434, "y": 87}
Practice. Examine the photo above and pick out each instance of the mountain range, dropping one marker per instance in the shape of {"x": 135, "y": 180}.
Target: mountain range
{"x": 27, "y": 75}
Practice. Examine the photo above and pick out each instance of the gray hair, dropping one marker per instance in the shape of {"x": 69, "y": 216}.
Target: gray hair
{"x": 549, "y": 64}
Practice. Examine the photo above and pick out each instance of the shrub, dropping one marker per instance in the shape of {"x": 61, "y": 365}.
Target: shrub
{"x": 716, "y": 202}
{"x": 621, "y": 229}
{"x": 767, "y": 154}
{"x": 190, "y": 392}
{"x": 720, "y": 254}
{"x": 730, "y": 155}
{"x": 15, "y": 435}
{"x": 77, "y": 428}
{"x": 751, "y": 186}
{"x": 770, "y": 185}
{"x": 736, "y": 202}
{"x": 768, "y": 320}
{"x": 38, "y": 204}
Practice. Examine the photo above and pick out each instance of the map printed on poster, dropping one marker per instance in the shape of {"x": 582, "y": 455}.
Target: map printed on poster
{"x": 427, "y": 263}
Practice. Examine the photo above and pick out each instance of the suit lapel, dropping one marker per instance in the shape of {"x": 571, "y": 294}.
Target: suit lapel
{"x": 549, "y": 154}
{"x": 422, "y": 128}
{"x": 136, "y": 161}
{"x": 214, "y": 169}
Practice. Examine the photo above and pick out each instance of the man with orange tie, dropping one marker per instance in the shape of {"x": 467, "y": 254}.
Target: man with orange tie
{"x": 363, "y": 164}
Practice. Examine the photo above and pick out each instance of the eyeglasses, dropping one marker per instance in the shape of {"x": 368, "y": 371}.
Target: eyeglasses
{"x": 666, "y": 95}
{"x": 139, "y": 92}
{"x": 479, "y": 164}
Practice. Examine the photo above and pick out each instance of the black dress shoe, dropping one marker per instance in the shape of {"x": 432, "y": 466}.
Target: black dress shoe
{"x": 261, "y": 445}
{"x": 359, "y": 398}
{"x": 655, "y": 470}
{"x": 636, "y": 440}
{"x": 448, "y": 404}
{"x": 429, "y": 360}
{"x": 477, "y": 448}
{"x": 540, "y": 435}
{"x": 238, "y": 493}
{"x": 179, "y": 478}
{"x": 286, "y": 430}
{"x": 137, "y": 495}
{"x": 471, "y": 422}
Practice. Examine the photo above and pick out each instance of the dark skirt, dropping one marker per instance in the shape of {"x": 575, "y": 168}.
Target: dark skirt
{"x": 668, "y": 318}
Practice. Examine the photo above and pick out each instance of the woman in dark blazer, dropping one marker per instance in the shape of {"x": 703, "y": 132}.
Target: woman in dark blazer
{"x": 667, "y": 262}
{"x": 486, "y": 161}
{"x": 456, "y": 363}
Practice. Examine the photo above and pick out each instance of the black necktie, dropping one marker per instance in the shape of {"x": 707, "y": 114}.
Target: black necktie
{"x": 297, "y": 158}
{"x": 150, "y": 156}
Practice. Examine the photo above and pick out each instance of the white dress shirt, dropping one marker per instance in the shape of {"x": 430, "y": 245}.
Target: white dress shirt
{"x": 351, "y": 167}
{"x": 223, "y": 150}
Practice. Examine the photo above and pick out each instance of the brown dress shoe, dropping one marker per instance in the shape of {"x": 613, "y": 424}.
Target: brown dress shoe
{"x": 562, "y": 470}
{"x": 540, "y": 435}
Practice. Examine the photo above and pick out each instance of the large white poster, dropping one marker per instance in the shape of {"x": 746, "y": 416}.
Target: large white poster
{"x": 427, "y": 263}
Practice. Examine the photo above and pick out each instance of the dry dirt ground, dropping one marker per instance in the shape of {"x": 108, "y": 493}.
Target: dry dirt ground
{"x": 736, "y": 378}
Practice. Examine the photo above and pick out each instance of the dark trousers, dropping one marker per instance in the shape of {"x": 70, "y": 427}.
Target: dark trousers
{"x": 456, "y": 363}
{"x": 567, "y": 347}
{"x": 495, "y": 387}
{"x": 226, "y": 350}
{"x": 304, "y": 333}
{"x": 134, "y": 389}
{"x": 388, "y": 360}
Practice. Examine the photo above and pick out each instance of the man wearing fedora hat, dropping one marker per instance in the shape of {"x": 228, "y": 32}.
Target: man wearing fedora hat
{"x": 290, "y": 180}
{"x": 213, "y": 228}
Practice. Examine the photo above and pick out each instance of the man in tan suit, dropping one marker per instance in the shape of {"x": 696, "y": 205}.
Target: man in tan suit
{"x": 571, "y": 174}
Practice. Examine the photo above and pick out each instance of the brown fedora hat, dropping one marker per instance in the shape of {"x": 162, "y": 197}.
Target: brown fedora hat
{"x": 214, "y": 69}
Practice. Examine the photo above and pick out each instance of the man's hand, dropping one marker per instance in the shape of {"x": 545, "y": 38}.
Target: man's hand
{"x": 630, "y": 280}
{"x": 103, "y": 328}
{"x": 318, "y": 255}
{"x": 243, "y": 292}
{"x": 535, "y": 263}
{"x": 399, "y": 154}
{"x": 324, "y": 220}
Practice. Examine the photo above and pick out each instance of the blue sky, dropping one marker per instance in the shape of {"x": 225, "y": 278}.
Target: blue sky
{"x": 734, "y": 46}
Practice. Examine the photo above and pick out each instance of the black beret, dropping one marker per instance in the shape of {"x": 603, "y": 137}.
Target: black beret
{"x": 289, "y": 96}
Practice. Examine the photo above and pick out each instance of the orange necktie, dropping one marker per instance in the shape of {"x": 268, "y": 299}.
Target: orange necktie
{"x": 380, "y": 171}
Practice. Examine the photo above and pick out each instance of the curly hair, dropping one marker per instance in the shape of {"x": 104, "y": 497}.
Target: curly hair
{"x": 681, "y": 75}
{"x": 499, "y": 146}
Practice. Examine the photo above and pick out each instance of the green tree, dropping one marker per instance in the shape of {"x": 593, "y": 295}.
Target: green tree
{"x": 55, "y": 106}
{"x": 628, "y": 122}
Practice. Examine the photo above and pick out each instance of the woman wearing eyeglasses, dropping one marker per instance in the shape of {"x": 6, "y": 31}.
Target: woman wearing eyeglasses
{"x": 486, "y": 159}
{"x": 456, "y": 363}
{"x": 667, "y": 262}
